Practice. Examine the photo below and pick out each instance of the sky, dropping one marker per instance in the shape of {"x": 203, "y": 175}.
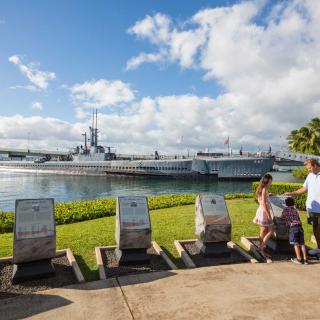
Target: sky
{"x": 172, "y": 76}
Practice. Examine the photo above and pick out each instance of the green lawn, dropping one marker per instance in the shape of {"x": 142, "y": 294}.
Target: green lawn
{"x": 167, "y": 225}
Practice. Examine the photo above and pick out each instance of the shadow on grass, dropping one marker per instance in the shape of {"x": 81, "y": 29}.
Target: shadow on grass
{"x": 177, "y": 261}
{"x": 89, "y": 274}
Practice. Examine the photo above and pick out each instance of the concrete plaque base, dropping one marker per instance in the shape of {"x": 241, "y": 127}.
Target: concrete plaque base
{"x": 32, "y": 270}
{"x": 280, "y": 246}
{"x": 132, "y": 256}
{"x": 218, "y": 249}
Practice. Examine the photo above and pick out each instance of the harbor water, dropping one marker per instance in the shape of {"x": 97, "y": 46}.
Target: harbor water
{"x": 22, "y": 185}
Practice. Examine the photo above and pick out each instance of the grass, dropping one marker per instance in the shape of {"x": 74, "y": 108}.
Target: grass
{"x": 77, "y": 211}
{"x": 168, "y": 225}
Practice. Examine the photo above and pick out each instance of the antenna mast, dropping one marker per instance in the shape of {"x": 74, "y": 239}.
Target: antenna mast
{"x": 85, "y": 143}
{"x": 92, "y": 132}
{"x": 96, "y": 131}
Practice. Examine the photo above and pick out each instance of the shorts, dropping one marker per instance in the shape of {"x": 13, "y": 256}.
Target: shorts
{"x": 314, "y": 218}
{"x": 296, "y": 235}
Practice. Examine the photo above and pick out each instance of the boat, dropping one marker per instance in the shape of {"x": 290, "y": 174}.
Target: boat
{"x": 95, "y": 159}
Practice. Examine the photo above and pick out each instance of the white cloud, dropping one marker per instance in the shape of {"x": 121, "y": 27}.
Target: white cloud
{"x": 36, "y": 105}
{"x": 101, "y": 93}
{"x": 80, "y": 113}
{"x": 156, "y": 29}
{"x": 269, "y": 73}
{"x": 135, "y": 62}
{"x": 39, "y": 79}
{"x": 146, "y": 125}
{"x": 154, "y": 123}
{"x": 267, "y": 63}
{"x": 44, "y": 132}
{"x": 27, "y": 87}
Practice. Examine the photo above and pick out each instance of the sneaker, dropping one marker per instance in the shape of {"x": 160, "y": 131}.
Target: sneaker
{"x": 297, "y": 261}
{"x": 314, "y": 252}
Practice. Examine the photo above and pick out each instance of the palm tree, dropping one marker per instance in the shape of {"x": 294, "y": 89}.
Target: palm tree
{"x": 306, "y": 139}
{"x": 314, "y": 124}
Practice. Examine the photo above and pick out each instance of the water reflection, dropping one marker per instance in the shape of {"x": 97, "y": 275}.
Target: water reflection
{"x": 15, "y": 185}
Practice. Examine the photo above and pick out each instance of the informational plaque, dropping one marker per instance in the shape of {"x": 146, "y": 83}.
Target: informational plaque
{"x": 212, "y": 219}
{"x": 34, "y": 230}
{"x": 134, "y": 213}
{"x": 34, "y": 219}
{"x": 133, "y": 228}
{"x": 277, "y": 204}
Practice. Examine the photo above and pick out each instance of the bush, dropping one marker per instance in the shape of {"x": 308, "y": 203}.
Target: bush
{"x": 300, "y": 173}
{"x": 281, "y": 188}
{"x": 233, "y": 196}
{"x": 70, "y": 212}
{"x": 6, "y": 222}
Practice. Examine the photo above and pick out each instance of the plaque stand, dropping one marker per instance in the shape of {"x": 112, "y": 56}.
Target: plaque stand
{"x": 280, "y": 246}
{"x": 128, "y": 257}
{"x": 218, "y": 249}
{"x": 32, "y": 270}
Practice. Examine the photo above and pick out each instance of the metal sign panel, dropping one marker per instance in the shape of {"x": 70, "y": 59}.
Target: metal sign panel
{"x": 134, "y": 213}
{"x": 34, "y": 230}
{"x": 277, "y": 204}
{"x": 34, "y": 219}
{"x": 213, "y": 223}
{"x": 215, "y": 209}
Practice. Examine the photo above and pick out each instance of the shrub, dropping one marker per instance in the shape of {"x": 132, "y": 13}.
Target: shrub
{"x": 70, "y": 212}
{"x": 300, "y": 173}
{"x": 233, "y": 196}
{"x": 281, "y": 188}
{"x": 6, "y": 222}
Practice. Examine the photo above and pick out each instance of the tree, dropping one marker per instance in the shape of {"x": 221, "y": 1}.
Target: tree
{"x": 306, "y": 139}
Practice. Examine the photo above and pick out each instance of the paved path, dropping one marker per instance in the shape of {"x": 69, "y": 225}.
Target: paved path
{"x": 244, "y": 291}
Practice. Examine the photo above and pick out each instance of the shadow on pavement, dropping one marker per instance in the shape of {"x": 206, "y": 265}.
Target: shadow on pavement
{"x": 144, "y": 277}
{"x": 25, "y": 306}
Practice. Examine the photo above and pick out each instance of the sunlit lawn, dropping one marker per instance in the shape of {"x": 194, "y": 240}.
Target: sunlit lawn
{"x": 168, "y": 225}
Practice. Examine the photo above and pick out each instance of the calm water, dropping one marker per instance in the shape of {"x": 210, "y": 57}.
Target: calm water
{"x": 18, "y": 185}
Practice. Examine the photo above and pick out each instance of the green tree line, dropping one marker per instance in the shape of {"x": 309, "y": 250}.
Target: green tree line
{"x": 306, "y": 139}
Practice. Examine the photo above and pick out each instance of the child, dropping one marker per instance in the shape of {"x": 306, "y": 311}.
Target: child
{"x": 296, "y": 235}
{"x": 263, "y": 216}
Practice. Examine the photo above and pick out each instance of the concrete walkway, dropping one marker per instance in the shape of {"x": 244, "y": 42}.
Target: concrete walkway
{"x": 243, "y": 291}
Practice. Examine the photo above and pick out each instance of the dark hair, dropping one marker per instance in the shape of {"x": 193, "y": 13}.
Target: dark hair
{"x": 289, "y": 202}
{"x": 263, "y": 183}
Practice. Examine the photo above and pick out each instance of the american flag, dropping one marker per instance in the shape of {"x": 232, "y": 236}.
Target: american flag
{"x": 226, "y": 141}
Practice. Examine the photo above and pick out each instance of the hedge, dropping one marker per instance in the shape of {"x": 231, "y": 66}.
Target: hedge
{"x": 70, "y": 212}
{"x": 300, "y": 173}
{"x": 281, "y": 188}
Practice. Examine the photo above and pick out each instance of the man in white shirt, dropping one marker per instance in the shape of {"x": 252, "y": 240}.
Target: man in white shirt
{"x": 312, "y": 186}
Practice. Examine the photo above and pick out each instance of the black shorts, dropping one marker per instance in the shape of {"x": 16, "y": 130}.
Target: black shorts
{"x": 296, "y": 235}
{"x": 314, "y": 218}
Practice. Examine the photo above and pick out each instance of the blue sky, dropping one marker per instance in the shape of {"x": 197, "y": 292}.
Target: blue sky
{"x": 82, "y": 40}
{"x": 222, "y": 86}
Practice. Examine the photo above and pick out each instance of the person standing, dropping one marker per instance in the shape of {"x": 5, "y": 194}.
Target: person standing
{"x": 263, "y": 216}
{"x": 312, "y": 187}
{"x": 296, "y": 234}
